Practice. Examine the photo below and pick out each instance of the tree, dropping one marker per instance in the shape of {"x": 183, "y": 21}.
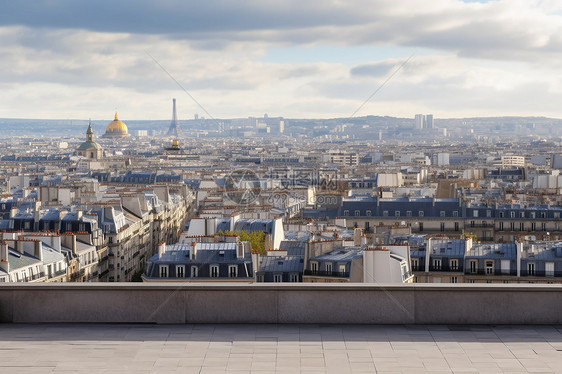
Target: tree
{"x": 256, "y": 239}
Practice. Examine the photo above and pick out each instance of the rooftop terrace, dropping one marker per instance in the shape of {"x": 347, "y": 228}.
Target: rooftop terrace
{"x": 279, "y": 349}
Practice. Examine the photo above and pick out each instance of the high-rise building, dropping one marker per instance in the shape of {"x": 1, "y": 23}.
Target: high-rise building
{"x": 429, "y": 121}
{"x": 420, "y": 119}
{"x": 424, "y": 121}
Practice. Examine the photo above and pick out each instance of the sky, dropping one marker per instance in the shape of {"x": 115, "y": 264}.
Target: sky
{"x": 69, "y": 59}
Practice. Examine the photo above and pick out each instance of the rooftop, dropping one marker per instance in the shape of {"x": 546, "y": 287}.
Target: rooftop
{"x": 81, "y": 348}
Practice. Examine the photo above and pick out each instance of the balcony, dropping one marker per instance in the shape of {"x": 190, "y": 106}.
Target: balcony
{"x": 446, "y": 268}
{"x": 322, "y": 273}
{"x": 540, "y": 273}
{"x": 510, "y": 272}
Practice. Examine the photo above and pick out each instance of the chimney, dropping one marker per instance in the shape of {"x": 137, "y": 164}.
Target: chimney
{"x": 427, "y": 254}
{"x": 161, "y": 249}
{"x": 4, "y": 265}
{"x": 69, "y": 241}
{"x": 242, "y": 248}
{"x": 38, "y": 249}
{"x": 193, "y": 250}
{"x": 519, "y": 245}
{"x": 18, "y": 246}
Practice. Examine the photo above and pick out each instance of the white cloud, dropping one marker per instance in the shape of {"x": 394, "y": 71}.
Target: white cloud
{"x": 482, "y": 58}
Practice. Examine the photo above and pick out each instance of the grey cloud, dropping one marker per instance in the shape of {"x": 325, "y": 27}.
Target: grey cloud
{"x": 375, "y": 69}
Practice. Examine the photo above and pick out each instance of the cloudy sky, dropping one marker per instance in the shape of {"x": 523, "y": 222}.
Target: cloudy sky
{"x": 293, "y": 58}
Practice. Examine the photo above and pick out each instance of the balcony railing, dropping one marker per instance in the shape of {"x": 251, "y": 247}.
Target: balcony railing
{"x": 540, "y": 273}
{"x": 322, "y": 273}
{"x": 446, "y": 268}
{"x": 511, "y": 272}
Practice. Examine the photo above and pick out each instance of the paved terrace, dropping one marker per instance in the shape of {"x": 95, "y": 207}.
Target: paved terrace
{"x": 311, "y": 349}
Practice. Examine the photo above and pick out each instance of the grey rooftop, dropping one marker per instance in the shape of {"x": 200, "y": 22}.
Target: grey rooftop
{"x": 337, "y": 349}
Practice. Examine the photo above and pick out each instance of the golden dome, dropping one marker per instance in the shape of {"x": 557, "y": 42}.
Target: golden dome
{"x": 116, "y": 128}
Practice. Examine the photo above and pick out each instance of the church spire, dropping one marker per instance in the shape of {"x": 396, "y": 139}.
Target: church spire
{"x": 90, "y": 133}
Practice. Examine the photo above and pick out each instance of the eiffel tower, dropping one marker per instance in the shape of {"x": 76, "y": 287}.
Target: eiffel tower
{"x": 174, "y": 129}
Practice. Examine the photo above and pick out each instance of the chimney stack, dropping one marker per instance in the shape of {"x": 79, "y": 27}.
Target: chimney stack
{"x": 4, "y": 265}
{"x": 161, "y": 249}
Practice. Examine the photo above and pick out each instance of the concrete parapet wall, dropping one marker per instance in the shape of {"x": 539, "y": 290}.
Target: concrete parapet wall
{"x": 281, "y": 303}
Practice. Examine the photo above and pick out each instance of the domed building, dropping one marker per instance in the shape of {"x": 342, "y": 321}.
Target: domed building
{"x": 116, "y": 129}
{"x": 90, "y": 149}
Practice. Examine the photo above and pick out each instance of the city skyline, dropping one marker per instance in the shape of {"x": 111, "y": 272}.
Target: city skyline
{"x": 319, "y": 60}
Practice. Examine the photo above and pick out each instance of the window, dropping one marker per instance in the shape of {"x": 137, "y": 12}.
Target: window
{"x": 512, "y": 226}
{"x": 512, "y": 214}
{"x": 454, "y": 280}
{"x": 521, "y": 214}
{"x": 357, "y": 213}
{"x": 396, "y": 213}
{"x": 473, "y": 266}
{"x": 415, "y": 264}
{"x": 556, "y": 214}
{"x": 442, "y": 213}
{"x": 442, "y": 226}
{"x": 533, "y": 215}
{"x": 543, "y": 226}
{"x": 328, "y": 267}
{"x": 437, "y": 264}
{"x": 501, "y": 214}
{"x": 454, "y": 264}
{"x": 533, "y": 226}
{"x": 522, "y": 226}
{"x": 475, "y": 213}
{"x": 470, "y": 281}
{"x": 549, "y": 269}
{"x": 277, "y": 278}
{"x": 489, "y": 267}
{"x": 214, "y": 271}
{"x": 420, "y": 213}
{"x": 472, "y": 223}
{"x": 543, "y": 214}
{"x": 259, "y": 278}
{"x": 531, "y": 268}
{"x": 489, "y": 213}
{"x": 180, "y": 271}
{"x": 194, "y": 271}
{"x": 505, "y": 266}
{"x": 501, "y": 226}
{"x": 385, "y": 213}
{"x": 232, "y": 271}
{"x": 294, "y": 278}
{"x": 314, "y": 267}
{"x": 346, "y": 212}
{"x": 163, "y": 271}
{"x": 456, "y": 226}
{"x": 455, "y": 213}
{"x": 368, "y": 213}
{"x": 342, "y": 269}
{"x": 421, "y": 226}
{"x": 408, "y": 213}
